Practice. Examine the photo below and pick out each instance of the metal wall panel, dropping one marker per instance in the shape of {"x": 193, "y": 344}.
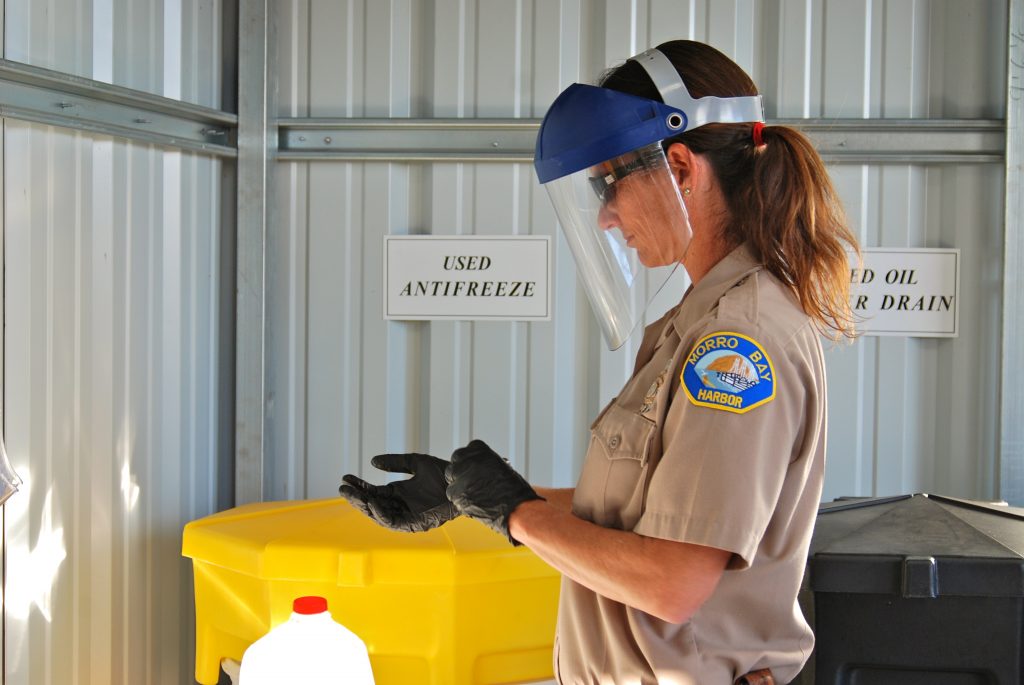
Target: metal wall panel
{"x": 1011, "y": 477}
{"x": 113, "y": 355}
{"x": 914, "y": 414}
{"x": 906, "y": 414}
{"x": 353, "y": 384}
{"x": 165, "y": 47}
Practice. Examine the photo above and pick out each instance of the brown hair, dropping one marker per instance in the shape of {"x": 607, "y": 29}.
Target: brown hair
{"x": 780, "y": 198}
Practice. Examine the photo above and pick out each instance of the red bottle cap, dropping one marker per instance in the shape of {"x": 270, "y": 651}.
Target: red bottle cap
{"x": 309, "y": 605}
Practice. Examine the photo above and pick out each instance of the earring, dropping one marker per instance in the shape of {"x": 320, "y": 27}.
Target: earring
{"x": 686, "y": 192}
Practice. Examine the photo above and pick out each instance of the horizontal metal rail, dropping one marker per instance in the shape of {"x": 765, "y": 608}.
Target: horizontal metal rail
{"x": 410, "y": 140}
{"x": 54, "y": 98}
{"x": 42, "y": 96}
{"x": 855, "y": 141}
{"x": 905, "y": 141}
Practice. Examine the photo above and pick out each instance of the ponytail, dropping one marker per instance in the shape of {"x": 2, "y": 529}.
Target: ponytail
{"x": 794, "y": 221}
{"x": 782, "y": 204}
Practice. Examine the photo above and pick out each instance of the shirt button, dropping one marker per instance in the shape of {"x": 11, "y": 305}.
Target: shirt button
{"x": 614, "y": 441}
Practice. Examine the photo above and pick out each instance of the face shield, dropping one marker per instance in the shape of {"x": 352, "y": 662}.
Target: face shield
{"x": 627, "y": 228}
{"x": 618, "y": 201}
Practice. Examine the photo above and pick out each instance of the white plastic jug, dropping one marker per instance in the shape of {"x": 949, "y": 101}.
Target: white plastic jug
{"x": 309, "y": 648}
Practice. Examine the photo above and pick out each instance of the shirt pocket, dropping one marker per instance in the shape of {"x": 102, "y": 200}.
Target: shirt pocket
{"x": 611, "y": 487}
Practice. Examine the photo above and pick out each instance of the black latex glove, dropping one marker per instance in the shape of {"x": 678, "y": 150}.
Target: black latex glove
{"x": 412, "y": 505}
{"x": 485, "y": 487}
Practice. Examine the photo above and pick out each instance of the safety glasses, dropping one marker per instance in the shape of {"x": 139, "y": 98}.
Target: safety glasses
{"x": 604, "y": 184}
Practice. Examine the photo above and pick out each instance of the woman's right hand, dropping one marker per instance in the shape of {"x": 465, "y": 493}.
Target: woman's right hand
{"x": 413, "y": 505}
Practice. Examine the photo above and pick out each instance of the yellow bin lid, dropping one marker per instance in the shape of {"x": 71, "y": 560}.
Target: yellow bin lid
{"x": 330, "y": 541}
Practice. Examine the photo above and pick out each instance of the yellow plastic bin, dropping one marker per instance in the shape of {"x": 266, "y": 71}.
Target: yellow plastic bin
{"x": 454, "y": 606}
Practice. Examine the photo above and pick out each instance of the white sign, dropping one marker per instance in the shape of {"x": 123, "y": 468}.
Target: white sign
{"x": 910, "y": 292}
{"x": 467, "y": 277}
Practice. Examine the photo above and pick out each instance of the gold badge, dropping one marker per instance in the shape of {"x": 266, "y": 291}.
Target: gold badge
{"x": 652, "y": 392}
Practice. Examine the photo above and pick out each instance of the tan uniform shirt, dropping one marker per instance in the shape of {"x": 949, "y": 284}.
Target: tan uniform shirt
{"x": 718, "y": 439}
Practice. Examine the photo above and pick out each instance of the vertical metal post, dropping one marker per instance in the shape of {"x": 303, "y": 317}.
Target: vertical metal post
{"x": 3, "y": 360}
{"x": 1011, "y": 443}
{"x": 254, "y": 141}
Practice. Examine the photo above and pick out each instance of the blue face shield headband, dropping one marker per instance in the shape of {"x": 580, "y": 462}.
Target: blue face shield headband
{"x": 587, "y": 125}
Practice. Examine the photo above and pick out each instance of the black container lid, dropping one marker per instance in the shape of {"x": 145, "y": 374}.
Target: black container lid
{"x": 919, "y": 545}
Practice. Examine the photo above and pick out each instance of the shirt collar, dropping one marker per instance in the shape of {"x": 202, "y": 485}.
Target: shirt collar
{"x": 702, "y": 297}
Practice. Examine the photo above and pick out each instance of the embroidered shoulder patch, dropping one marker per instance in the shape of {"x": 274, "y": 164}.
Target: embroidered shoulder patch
{"x": 728, "y": 371}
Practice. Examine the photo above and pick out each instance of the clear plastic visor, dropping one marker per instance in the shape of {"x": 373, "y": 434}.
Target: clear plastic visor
{"x": 627, "y": 227}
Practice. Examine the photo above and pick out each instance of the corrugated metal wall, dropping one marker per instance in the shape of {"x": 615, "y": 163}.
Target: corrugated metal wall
{"x": 347, "y": 384}
{"x": 115, "y": 347}
{"x": 914, "y": 414}
{"x": 112, "y": 355}
{"x": 906, "y": 414}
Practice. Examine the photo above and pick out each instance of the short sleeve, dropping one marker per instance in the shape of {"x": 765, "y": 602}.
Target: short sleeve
{"x": 724, "y": 460}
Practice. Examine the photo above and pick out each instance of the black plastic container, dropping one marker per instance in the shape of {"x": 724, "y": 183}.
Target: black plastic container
{"x": 916, "y": 590}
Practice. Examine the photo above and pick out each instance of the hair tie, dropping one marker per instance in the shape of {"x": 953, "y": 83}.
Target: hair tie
{"x": 758, "y": 138}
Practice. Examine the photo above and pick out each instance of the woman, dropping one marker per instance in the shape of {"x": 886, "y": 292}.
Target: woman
{"x": 683, "y": 545}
